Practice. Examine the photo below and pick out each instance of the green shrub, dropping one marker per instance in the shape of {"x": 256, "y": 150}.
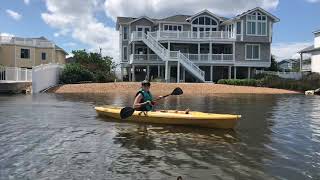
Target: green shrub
{"x": 158, "y": 80}
{"x": 241, "y": 82}
{"x": 74, "y": 73}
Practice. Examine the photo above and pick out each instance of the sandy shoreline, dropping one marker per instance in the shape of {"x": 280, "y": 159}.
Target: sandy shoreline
{"x": 166, "y": 88}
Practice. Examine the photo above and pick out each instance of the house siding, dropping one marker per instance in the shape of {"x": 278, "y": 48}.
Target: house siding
{"x": 240, "y": 51}
{"x": 7, "y": 55}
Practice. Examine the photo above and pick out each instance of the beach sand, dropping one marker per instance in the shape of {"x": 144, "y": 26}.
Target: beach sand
{"x": 166, "y": 88}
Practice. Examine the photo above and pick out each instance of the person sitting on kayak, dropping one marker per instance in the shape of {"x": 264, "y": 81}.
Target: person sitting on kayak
{"x": 144, "y": 100}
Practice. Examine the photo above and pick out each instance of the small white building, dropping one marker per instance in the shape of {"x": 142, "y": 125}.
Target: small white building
{"x": 314, "y": 50}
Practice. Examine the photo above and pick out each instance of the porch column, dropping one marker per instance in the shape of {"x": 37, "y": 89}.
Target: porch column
{"x": 301, "y": 58}
{"x": 158, "y": 71}
{"x": 166, "y": 71}
{"x": 148, "y": 73}
{"x": 229, "y": 73}
{"x": 129, "y": 73}
{"x": 178, "y": 72}
{"x": 210, "y": 49}
{"x": 184, "y": 75}
{"x": 249, "y": 73}
{"x": 199, "y": 51}
{"x": 133, "y": 48}
{"x": 211, "y": 73}
{"x": 121, "y": 74}
{"x": 169, "y": 46}
{"x": 133, "y": 73}
{"x": 235, "y": 72}
{"x": 148, "y": 53}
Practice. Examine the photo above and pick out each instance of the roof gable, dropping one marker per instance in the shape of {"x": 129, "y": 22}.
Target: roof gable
{"x": 208, "y": 12}
{"x": 261, "y": 10}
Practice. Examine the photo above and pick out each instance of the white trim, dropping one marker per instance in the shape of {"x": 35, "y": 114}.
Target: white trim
{"x": 205, "y": 11}
{"x": 234, "y": 51}
{"x": 172, "y": 27}
{"x": 246, "y": 46}
{"x": 270, "y": 31}
{"x": 242, "y": 27}
{"x": 142, "y": 17}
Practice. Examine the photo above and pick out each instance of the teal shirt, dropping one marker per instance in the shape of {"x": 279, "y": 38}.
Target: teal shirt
{"x": 147, "y": 96}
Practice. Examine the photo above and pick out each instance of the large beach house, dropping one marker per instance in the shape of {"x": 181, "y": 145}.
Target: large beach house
{"x": 203, "y": 47}
{"x": 29, "y": 52}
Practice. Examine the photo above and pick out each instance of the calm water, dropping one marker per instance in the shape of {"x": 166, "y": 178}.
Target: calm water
{"x": 50, "y": 136}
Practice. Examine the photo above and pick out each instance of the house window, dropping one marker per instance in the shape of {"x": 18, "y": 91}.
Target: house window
{"x": 204, "y": 23}
{"x": 125, "y": 53}
{"x": 125, "y": 32}
{"x": 256, "y": 24}
{"x": 238, "y": 27}
{"x": 25, "y": 54}
{"x": 43, "y": 56}
{"x": 172, "y": 27}
{"x": 252, "y": 52}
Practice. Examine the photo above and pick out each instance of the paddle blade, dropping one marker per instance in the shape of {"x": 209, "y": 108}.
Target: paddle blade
{"x": 126, "y": 112}
{"x": 177, "y": 91}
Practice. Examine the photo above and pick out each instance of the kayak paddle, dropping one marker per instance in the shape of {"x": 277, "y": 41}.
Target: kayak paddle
{"x": 128, "y": 111}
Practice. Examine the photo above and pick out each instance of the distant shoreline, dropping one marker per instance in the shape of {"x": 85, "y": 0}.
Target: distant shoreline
{"x": 166, "y": 88}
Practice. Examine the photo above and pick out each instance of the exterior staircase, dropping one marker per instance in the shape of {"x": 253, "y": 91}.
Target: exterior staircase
{"x": 167, "y": 55}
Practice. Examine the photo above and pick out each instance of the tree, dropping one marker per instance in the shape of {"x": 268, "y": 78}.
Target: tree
{"x": 89, "y": 67}
{"x": 274, "y": 65}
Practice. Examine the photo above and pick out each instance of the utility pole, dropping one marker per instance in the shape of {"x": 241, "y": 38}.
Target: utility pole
{"x": 100, "y": 49}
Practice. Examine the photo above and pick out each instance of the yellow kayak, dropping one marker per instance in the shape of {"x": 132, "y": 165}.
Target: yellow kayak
{"x": 193, "y": 118}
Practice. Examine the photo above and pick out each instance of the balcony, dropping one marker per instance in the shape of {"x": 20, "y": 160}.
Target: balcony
{"x": 216, "y": 58}
{"x": 196, "y": 58}
{"x": 145, "y": 58}
{"x": 25, "y": 42}
{"x": 186, "y": 35}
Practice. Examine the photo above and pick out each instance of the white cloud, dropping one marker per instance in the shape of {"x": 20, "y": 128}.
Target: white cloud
{"x": 70, "y": 44}
{"x": 26, "y": 1}
{"x": 77, "y": 18}
{"x": 162, "y": 8}
{"x": 13, "y": 14}
{"x": 288, "y": 50}
{"x": 6, "y": 34}
{"x": 313, "y": 1}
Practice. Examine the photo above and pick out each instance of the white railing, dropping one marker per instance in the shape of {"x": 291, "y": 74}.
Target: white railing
{"x": 15, "y": 74}
{"x": 209, "y": 57}
{"x": 25, "y": 41}
{"x": 145, "y": 57}
{"x": 286, "y": 75}
{"x": 166, "y": 55}
{"x": 186, "y": 62}
{"x": 186, "y": 35}
{"x": 45, "y": 76}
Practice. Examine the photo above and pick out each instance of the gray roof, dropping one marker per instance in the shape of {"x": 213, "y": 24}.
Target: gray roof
{"x": 309, "y": 49}
{"x": 176, "y": 18}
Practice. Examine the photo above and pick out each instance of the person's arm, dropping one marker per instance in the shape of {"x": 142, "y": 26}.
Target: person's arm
{"x": 137, "y": 103}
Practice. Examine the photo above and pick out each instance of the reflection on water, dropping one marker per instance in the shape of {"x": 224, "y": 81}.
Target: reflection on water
{"x": 50, "y": 136}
